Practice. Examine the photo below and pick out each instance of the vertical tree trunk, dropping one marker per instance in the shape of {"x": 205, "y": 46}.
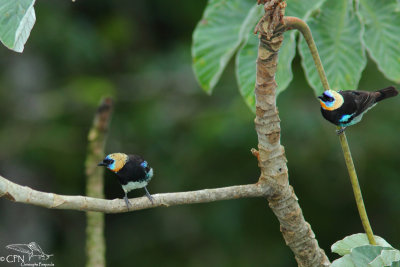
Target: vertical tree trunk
{"x": 272, "y": 161}
{"x": 95, "y": 243}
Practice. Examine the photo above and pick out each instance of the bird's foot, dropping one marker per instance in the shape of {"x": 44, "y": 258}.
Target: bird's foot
{"x": 340, "y": 131}
{"x": 128, "y": 204}
{"x": 149, "y": 196}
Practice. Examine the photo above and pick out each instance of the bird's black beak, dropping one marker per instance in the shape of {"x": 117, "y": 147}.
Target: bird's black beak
{"x": 102, "y": 164}
{"x": 321, "y": 97}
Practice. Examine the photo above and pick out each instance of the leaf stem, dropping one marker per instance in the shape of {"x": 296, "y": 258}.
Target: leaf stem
{"x": 300, "y": 25}
{"x": 356, "y": 188}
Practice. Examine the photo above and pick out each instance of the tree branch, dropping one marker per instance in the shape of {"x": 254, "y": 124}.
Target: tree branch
{"x": 24, "y": 194}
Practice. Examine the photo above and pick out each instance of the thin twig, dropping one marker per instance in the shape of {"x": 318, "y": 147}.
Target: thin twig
{"x": 26, "y": 195}
{"x": 296, "y": 23}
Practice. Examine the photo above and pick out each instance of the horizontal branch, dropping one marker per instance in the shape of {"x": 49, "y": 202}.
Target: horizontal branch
{"x": 27, "y": 195}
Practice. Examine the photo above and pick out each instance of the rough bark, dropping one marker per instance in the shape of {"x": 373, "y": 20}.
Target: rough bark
{"x": 272, "y": 160}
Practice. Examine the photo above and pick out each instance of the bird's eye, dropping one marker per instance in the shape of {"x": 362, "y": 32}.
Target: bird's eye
{"x": 327, "y": 98}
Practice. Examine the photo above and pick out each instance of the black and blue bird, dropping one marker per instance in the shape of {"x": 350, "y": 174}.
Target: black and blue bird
{"x": 345, "y": 108}
{"x": 132, "y": 171}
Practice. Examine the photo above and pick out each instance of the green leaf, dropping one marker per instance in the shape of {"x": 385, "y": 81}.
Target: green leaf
{"x": 337, "y": 34}
{"x": 344, "y": 261}
{"x": 357, "y": 252}
{"x": 386, "y": 258}
{"x": 219, "y": 33}
{"x": 302, "y": 9}
{"x": 246, "y": 70}
{"x": 17, "y": 18}
{"x": 382, "y": 35}
{"x": 246, "y": 62}
{"x": 284, "y": 74}
{"x": 362, "y": 256}
{"x": 344, "y": 246}
{"x": 247, "y": 55}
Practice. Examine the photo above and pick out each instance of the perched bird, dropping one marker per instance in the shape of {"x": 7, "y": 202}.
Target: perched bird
{"x": 132, "y": 171}
{"x": 345, "y": 108}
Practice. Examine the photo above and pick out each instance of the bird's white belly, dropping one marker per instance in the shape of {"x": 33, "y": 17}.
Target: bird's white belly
{"x": 134, "y": 185}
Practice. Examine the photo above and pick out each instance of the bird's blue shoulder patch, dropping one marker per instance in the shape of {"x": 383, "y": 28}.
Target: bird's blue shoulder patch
{"x": 345, "y": 118}
{"x": 144, "y": 164}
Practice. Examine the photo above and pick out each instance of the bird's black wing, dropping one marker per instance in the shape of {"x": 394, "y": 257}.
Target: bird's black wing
{"x": 363, "y": 100}
{"x": 135, "y": 158}
{"x": 140, "y": 162}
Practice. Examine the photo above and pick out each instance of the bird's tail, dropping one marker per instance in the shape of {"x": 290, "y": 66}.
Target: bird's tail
{"x": 386, "y": 93}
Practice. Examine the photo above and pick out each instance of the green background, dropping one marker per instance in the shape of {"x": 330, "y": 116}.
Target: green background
{"x": 139, "y": 52}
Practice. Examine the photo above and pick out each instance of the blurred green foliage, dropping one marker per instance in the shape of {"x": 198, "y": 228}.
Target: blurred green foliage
{"x": 139, "y": 52}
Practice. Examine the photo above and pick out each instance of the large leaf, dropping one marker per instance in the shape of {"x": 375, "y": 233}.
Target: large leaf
{"x": 362, "y": 256}
{"x": 337, "y": 33}
{"x": 343, "y": 262}
{"x": 246, "y": 65}
{"x": 17, "y": 18}
{"x": 217, "y": 36}
{"x": 247, "y": 55}
{"x": 344, "y": 246}
{"x": 302, "y": 9}
{"x": 386, "y": 258}
{"x": 382, "y": 34}
{"x": 369, "y": 256}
